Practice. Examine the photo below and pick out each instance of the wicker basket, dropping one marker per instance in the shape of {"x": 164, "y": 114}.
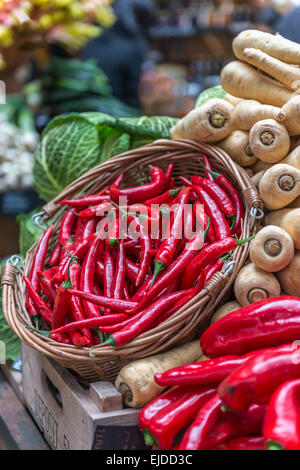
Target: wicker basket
{"x": 187, "y": 323}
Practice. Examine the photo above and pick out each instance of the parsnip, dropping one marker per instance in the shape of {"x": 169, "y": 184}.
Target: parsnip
{"x": 272, "y": 249}
{"x": 274, "y": 45}
{"x": 247, "y": 112}
{"x": 232, "y": 99}
{"x": 260, "y": 166}
{"x": 294, "y": 204}
{"x": 242, "y": 80}
{"x": 257, "y": 177}
{"x": 210, "y": 122}
{"x": 279, "y": 186}
{"x": 238, "y": 148}
{"x": 253, "y": 284}
{"x": 288, "y": 220}
{"x": 293, "y": 158}
{"x": 292, "y": 111}
{"x": 284, "y": 73}
{"x": 136, "y": 380}
{"x": 224, "y": 310}
{"x": 269, "y": 140}
{"x": 290, "y": 275}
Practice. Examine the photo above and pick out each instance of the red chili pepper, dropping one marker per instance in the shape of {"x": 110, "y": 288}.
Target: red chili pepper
{"x": 48, "y": 273}
{"x": 39, "y": 305}
{"x": 109, "y": 273}
{"x": 169, "y": 421}
{"x": 199, "y": 214}
{"x": 80, "y": 226}
{"x": 243, "y": 443}
{"x": 282, "y": 420}
{"x": 113, "y": 232}
{"x": 212, "y": 426}
{"x": 61, "y": 304}
{"x": 146, "y": 320}
{"x": 118, "y": 305}
{"x": 258, "y": 378}
{"x": 76, "y": 310}
{"x": 218, "y": 195}
{"x": 169, "y": 172}
{"x": 208, "y": 255}
{"x": 55, "y": 255}
{"x": 97, "y": 211}
{"x": 66, "y": 227}
{"x": 235, "y": 198}
{"x": 173, "y": 271}
{"x": 92, "y": 200}
{"x": 146, "y": 246}
{"x": 119, "y": 277}
{"x": 89, "y": 228}
{"x": 207, "y": 167}
{"x": 168, "y": 247}
{"x": 64, "y": 338}
{"x": 191, "y": 293}
{"x": 91, "y": 323}
{"x": 38, "y": 264}
{"x": 217, "y": 219}
{"x": 88, "y": 278}
{"x": 164, "y": 198}
{"x": 47, "y": 287}
{"x": 61, "y": 271}
{"x": 126, "y": 294}
{"x": 159, "y": 184}
{"x": 151, "y": 409}
{"x": 185, "y": 181}
{"x": 266, "y": 323}
{"x": 213, "y": 269}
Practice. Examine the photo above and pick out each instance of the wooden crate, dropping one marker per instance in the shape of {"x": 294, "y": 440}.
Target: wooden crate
{"x": 75, "y": 417}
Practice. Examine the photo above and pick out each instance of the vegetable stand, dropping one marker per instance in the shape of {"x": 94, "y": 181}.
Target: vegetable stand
{"x": 184, "y": 324}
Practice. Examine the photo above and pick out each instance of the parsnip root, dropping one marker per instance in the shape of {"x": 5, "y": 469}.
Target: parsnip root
{"x": 242, "y": 80}
{"x": 210, "y": 122}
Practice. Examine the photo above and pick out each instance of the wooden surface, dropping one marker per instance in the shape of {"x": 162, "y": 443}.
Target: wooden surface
{"x": 65, "y": 412}
{"x": 17, "y": 429}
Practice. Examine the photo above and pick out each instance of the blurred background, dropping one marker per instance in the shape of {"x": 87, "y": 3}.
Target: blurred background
{"x": 124, "y": 58}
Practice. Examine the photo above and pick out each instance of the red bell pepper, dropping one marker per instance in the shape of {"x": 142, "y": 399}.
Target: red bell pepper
{"x": 266, "y": 323}
{"x": 258, "y": 378}
{"x": 281, "y": 426}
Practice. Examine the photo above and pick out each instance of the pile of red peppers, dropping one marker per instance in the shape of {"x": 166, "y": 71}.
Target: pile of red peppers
{"x": 246, "y": 396}
{"x": 104, "y": 285}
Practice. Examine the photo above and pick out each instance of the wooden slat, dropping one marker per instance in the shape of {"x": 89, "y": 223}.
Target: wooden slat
{"x": 17, "y": 429}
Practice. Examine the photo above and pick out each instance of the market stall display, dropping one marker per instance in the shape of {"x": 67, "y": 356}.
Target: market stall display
{"x": 197, "y": 321}
{"x": 142, "y": 335}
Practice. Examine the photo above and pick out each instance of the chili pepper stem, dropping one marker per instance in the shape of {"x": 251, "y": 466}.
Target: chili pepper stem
{"x": 41, "y": 332}
{"x": 109, "y": 342}
{"x": 272, "y": 445}
{"x": 232, "y": 218}
{"x": 35, "y": 318}
{"x": 246, "y": 240}
{"x": 113, "y": 242}
{"x": 158, "y": 267}
{"x": 214, "y": 174}
{"x": 149, "y": 439}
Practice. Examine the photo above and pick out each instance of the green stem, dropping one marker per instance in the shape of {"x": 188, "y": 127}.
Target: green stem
{"x": 241, "y": 242}
{"x": 41, "y": 332}
{"x": 158, "y": 267}
{"x": 214, "y": 174}
{"x": 232, "y": 218}
{"x": 273, "y": 445}
{"x": 149, "y": 439}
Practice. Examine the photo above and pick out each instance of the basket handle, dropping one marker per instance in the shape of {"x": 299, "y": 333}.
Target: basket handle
{"x": 220, "y": 279}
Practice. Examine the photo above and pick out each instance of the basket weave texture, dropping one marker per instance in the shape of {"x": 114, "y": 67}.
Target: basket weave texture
{"x": 188, "y": 322}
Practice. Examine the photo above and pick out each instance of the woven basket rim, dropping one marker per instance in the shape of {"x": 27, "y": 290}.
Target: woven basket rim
{"x": 179, "y": 327}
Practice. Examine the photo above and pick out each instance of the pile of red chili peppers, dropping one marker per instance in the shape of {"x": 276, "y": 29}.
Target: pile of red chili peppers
{"x": 103, "y": 285}
{"x": 246, "y": 396}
